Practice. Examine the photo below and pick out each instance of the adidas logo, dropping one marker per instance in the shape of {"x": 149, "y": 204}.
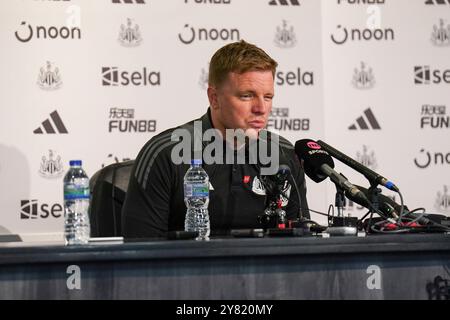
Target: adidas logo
{"x": 284, "y": 3}
{"x": 49, "y": 126}
{"x": 362, "y": 124}
{"x": 433, "y": 2}
{"x": 129, "y": 1}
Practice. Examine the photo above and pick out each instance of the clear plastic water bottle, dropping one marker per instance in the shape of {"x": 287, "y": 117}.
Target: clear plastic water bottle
{"x": 196, "y": 198}
{"x": 76, "y": 205}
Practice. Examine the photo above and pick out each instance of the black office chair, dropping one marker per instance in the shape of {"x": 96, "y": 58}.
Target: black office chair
{"x": 108, "y": 190}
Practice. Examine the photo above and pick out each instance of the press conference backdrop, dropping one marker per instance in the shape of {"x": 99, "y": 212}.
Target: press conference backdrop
{"x": 94, "y": 80}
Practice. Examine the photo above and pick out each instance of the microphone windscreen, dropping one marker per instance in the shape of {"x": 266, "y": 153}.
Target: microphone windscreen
{"x": 313, "y": 157}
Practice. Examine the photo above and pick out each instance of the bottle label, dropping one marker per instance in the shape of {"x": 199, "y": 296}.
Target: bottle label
{"x": 196, "y": 190}
{"x": 72, "y": 191}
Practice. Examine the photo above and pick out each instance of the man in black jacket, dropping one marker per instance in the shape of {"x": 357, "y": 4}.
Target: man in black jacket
{"x": 240, "y": 92}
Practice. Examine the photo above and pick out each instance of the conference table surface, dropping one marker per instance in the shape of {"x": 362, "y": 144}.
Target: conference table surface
{"x": 395, "y": 266}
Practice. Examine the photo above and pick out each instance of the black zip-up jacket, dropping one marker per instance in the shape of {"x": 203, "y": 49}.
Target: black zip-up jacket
{"x": 154, "y": 202}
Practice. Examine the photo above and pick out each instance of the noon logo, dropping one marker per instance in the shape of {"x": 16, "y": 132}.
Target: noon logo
{"x": 190, "y": 34}
{"x": 26, "y": 32}
{"x": 342, "y": 34}
{"x": 427, "y": 158}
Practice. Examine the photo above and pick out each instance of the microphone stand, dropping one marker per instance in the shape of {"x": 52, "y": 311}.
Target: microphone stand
{"x": 339, "y": 201}
{"x": 374, "y": 195}
{"x": 340, "y": 225}
{"x": 275, "y": 210}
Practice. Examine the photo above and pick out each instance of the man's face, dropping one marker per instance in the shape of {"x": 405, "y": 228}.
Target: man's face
{"x": 242, "y": 101}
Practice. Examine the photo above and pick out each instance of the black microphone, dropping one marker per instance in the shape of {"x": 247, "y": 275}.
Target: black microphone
{"x": 319, "y": 165}
{"x": 276, "y": 184}
{"x": 372, "y": 176}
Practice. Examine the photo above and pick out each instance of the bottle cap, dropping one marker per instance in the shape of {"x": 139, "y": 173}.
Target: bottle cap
{"x": 196, "y": 161}
{"x": 75, "y": 163}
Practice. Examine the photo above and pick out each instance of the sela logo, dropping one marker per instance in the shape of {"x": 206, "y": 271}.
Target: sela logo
{"x": 440, "y": 36}
{"x": 341, "y": 34}
{"x": 363, "y": 79}
{"x": 49, "y": 78}
{"x": 279, "y": 120}
{"x": 189, "y": 34}
{"x": 51, "y": 168}
{"x": 30, "y": 209}
{"x": 111, "y": 76}
{"x": 110, "y": 159}
{"x": 442, "y": 203}
{"x": 366, "y": 158}
{"x": 293, "y": 78}
{"x": 424, "y": 75}
{"x": 433, "y": 2}
{"x": 203, "y": 80}
{"x": 208, "y": 1}
{"x": 124, "y": 122}
{"x": 129, "y": 1}
{"x": 27, "y": 31}
{"x": 52, "y": 125}
{"x": 434, "y": 117}
{"x": 427, "y": 159}
{"x": 360, "y": 1}
{"x": 362, "y": 124}
{"x": 284, "y": 3}
{"x": 284, "y": 37}
{"x": 129, "y": 36}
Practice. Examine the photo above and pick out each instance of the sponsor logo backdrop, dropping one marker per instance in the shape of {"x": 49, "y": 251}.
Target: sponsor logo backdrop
{"x": 94, "y": 80}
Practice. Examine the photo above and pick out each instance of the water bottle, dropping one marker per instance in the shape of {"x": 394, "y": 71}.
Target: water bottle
{"x": 76, "y": 205}
{"x": 196, "y": 198}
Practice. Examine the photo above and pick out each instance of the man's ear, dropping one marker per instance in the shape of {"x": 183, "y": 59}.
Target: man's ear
{"x": 212, "y": 97}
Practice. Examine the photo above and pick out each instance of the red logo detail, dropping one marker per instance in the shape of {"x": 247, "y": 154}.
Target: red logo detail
{"x": 246, "y": 179}
{"x": 313, "y": 145}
